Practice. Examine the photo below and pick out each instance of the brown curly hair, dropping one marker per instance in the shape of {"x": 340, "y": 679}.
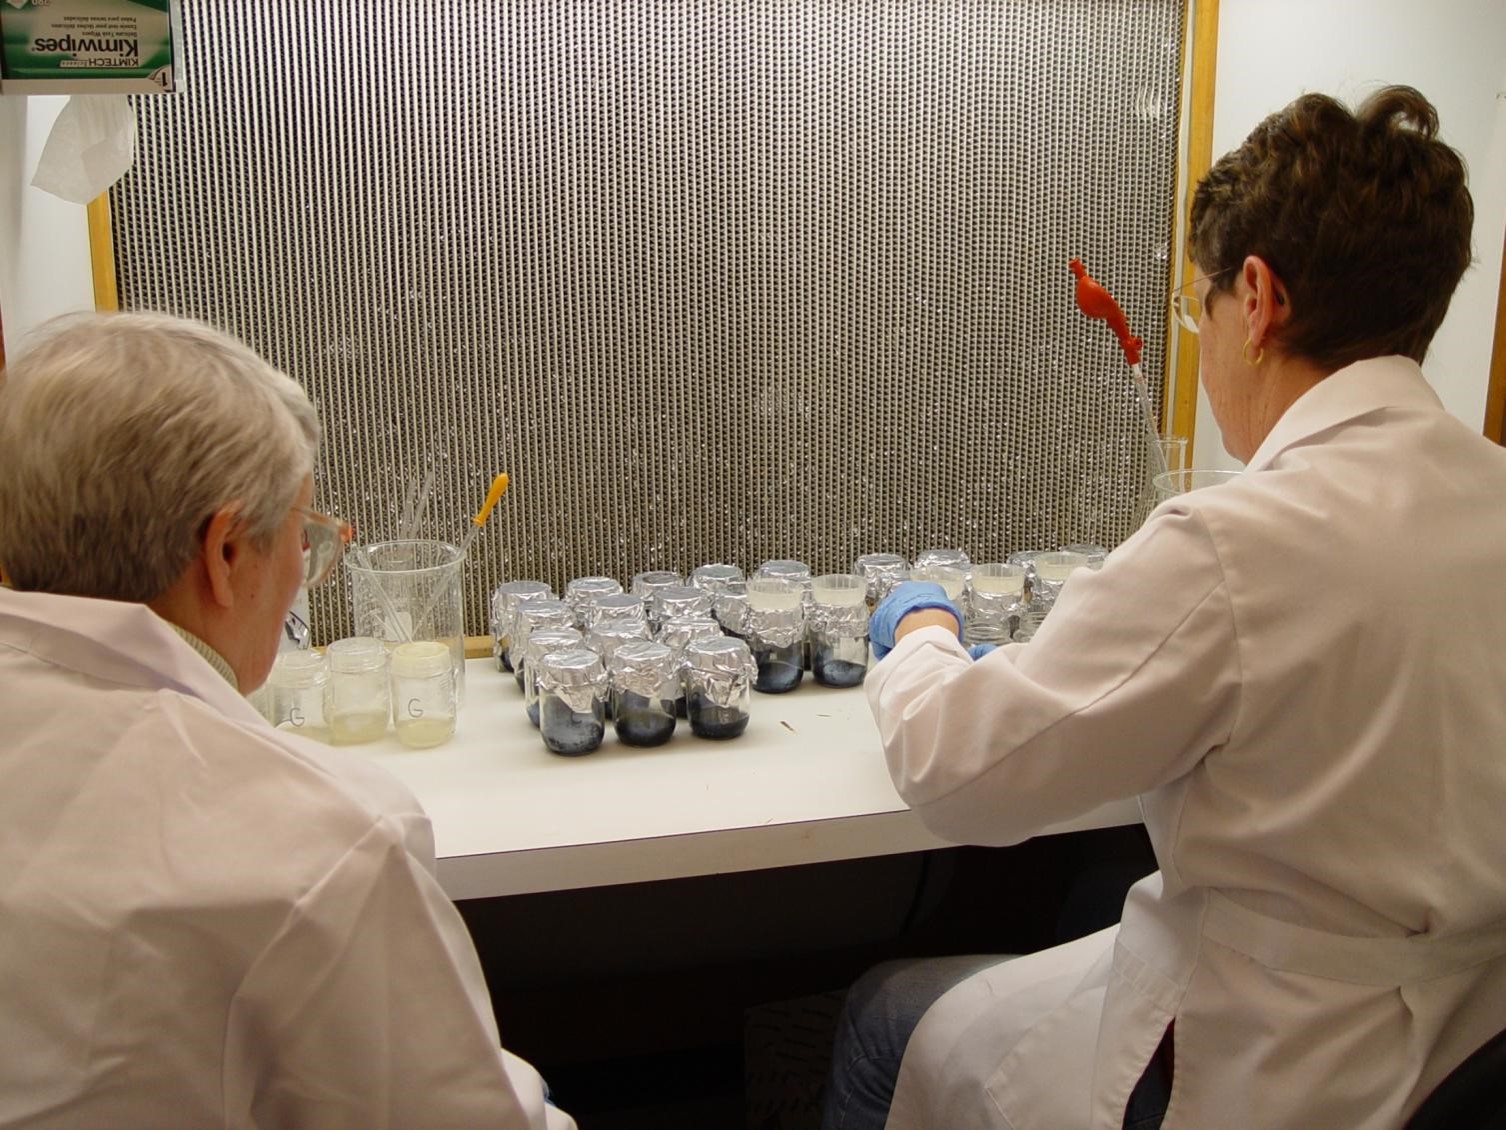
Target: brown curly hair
{"x": 1364, "y": 217}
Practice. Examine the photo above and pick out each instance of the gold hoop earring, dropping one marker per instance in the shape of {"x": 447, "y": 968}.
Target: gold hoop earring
{"x": 1259, "y": 354}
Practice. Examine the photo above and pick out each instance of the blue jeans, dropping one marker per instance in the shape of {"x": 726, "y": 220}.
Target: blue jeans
{"x": 881, "y": 1011}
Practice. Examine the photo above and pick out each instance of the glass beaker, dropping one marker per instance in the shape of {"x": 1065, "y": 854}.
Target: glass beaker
{"x": 407, "y": 591}
{"x": 1173, "y": 483}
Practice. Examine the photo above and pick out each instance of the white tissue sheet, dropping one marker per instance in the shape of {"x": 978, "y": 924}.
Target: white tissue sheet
{"x": 92, "y": 144}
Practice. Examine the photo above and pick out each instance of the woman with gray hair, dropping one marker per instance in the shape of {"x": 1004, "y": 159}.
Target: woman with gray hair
{"x": 207, "y": 921}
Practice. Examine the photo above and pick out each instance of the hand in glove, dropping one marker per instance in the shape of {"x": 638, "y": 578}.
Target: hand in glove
{"x": 903, "y": 599}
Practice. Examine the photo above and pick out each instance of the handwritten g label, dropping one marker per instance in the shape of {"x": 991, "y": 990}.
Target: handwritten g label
{"x": 415, "y": 708}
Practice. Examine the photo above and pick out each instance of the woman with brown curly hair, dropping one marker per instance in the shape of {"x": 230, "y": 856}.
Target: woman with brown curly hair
{"x": 1300, "y": 675}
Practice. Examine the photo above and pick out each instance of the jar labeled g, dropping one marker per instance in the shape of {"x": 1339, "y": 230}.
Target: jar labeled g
{"x": 423, "y": 694}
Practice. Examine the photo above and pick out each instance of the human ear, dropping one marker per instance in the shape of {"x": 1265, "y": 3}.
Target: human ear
{"x": 1265, "y": 305}
{"x": 221, "y": 552}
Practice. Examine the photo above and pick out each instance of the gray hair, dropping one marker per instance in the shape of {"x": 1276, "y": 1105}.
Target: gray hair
{"x": 122, "y": 434}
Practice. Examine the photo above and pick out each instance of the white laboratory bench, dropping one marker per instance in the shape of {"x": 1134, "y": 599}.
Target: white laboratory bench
{"x": 805, "y": 784}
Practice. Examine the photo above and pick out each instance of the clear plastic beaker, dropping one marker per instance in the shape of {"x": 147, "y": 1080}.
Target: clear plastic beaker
{"x": 406, "y": 591}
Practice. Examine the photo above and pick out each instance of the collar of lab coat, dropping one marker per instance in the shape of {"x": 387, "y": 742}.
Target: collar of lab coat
{"x": 116, "y": 641}
{"x": 1344, "y": 395}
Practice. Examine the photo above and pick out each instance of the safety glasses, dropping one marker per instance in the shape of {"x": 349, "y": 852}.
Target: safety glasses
{"x": 1186, "y": 307}
{"x": 324, "y": 539}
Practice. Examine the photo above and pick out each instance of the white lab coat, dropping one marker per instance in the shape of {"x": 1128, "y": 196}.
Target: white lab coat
{"x": 1302, "y": 675}
{"x": 206, "y": 922}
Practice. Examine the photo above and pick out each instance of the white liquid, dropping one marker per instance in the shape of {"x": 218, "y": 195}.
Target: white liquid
{"x": 1012, "y": 585}
{"x": 951, "y": 580}
{"x": 768, "y": 601}
{"x": 1057, "y": 572}
{"x": 357, "y": 727}
{"x": 423, "y": 733}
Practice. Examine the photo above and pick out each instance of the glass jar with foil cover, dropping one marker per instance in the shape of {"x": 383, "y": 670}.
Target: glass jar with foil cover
{"x": 623, "y": 606}
{"x": 424, "y": 702}
{"x": 776, "y": 636}
{"x": 544, "y": 641}
{"x": 797, "y": 571}
{"x": 582, "y": 591}
{"x": 995, "y": 597}
{"x": 1091, "y": 550}
{"x": 730, "y": 609}
{"x": 718, "y": 678}
{"x": 572, "y": 701}
{"x": 941, "y": 555}
{"x": 716, "y": 578}
{"x": 608, "y": 635}
{"x": 505, "y": 598}
{"x": 882, "y": 571}
{"x": 649, "y": 582}
{"x": 677, "y": 634}
{"x": 358, "y": 704}
{"x": 673, "y": 602}
{"x": 644, "y": 680}
{"x": 295, "y": 695}
{"x": 528, "y": 617}
{"x": 1049, "y": 572}
{"x": 838, "y": 629}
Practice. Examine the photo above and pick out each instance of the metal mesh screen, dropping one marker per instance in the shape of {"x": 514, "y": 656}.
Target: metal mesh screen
{"x": 713, "y": 281}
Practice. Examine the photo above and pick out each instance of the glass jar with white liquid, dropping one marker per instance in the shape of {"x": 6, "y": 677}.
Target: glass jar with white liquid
{"x": 995, "y": 596}
{"x": 358, "y": 702}
{"x": 423, "y": 693}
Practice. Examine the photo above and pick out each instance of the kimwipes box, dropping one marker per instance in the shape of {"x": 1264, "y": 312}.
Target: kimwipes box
{"x": 89, "y": 46}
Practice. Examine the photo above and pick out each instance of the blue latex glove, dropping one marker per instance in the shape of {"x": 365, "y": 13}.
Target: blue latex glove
{"x": 979, "y": 650}
{"x": 903, "y": 599}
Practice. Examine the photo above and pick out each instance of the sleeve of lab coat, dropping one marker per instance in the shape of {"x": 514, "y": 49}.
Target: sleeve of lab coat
{"x": 1132, "y": 679}
{"x": 370, "y": 1010}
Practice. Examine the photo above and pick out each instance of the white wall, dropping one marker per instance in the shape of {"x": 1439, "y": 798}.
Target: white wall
{"x": 1454, "y": 51}
{"x": 44, "y": 241}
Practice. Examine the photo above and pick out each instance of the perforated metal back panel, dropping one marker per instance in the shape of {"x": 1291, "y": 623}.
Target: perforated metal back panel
{"x": 712, "y": 281}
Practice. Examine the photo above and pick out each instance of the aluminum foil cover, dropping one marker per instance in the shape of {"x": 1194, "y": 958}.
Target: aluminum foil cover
{"x": 847, "y": 620}
{"x": 583, "y": 590}
{"x": 674, "y": 601}
{"x": 540, "y": 612}
{"x": 505, "y": 598}
{"x": 623, "y": 606}
{"x": 777, "y": 627}
{"x": 544, "y": 641}
{"x": 608, "y": 635}
{"x": 720, "y": 668}
{"x": 645, "y": 667}
{"x": 715, "y": 578}
{"x": 576, "y": 677}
